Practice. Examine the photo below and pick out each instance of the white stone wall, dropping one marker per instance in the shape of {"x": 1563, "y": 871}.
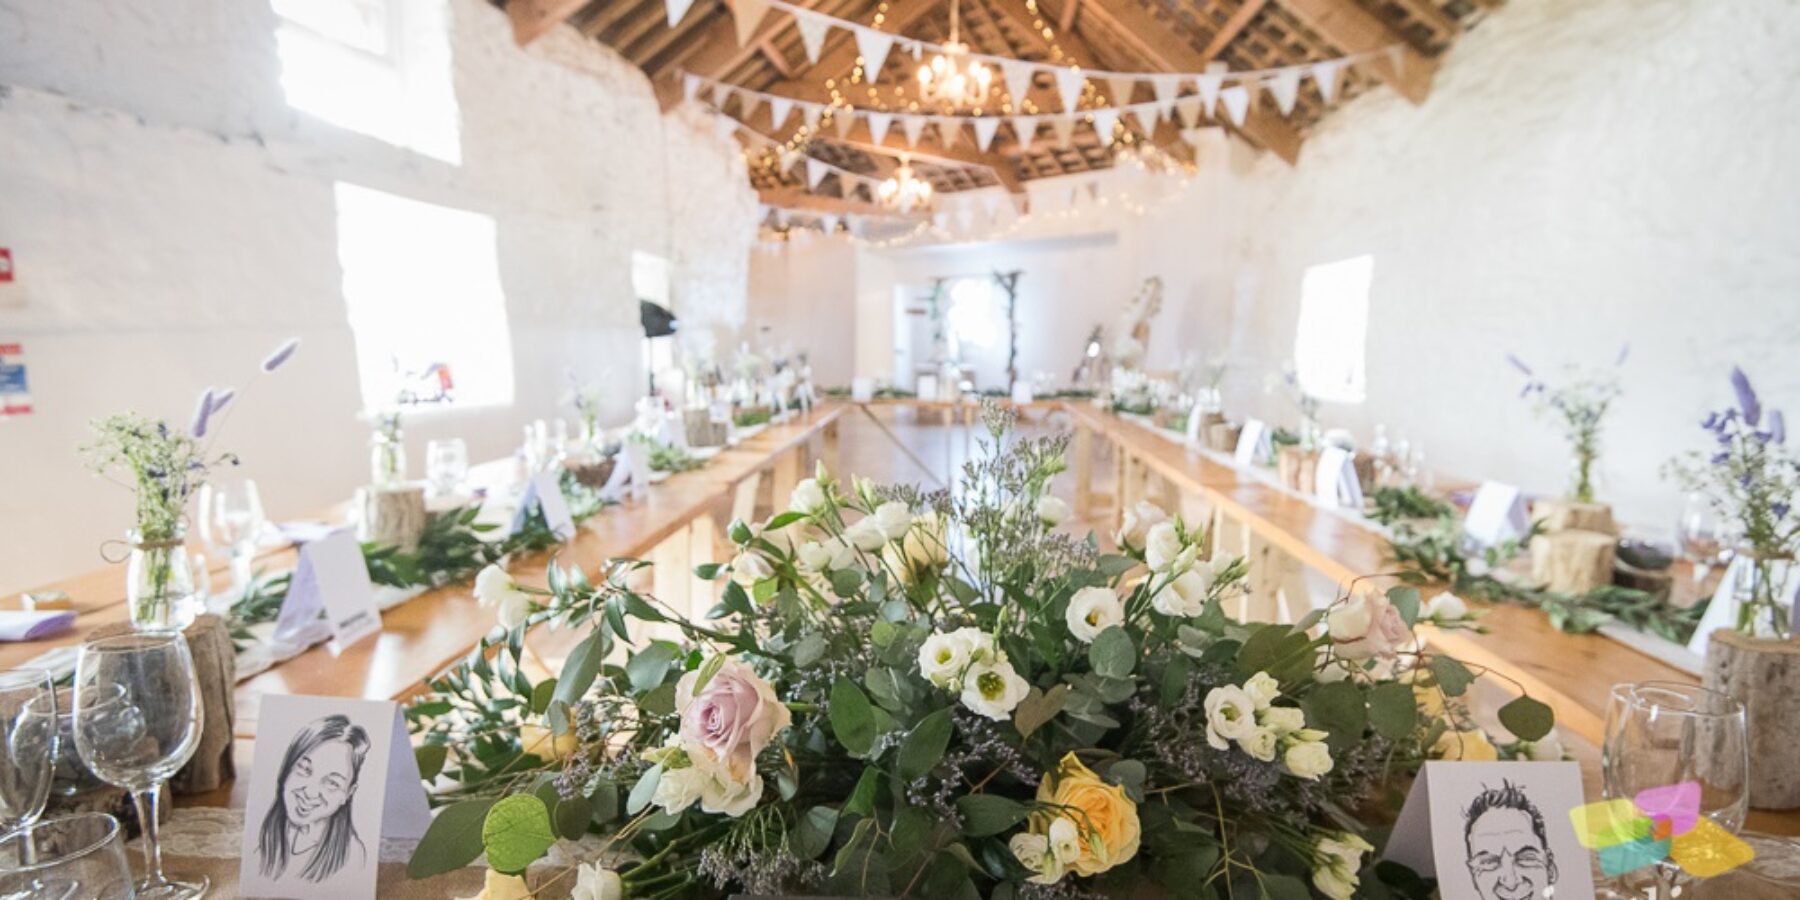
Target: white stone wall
{"x": 171, "y": 219}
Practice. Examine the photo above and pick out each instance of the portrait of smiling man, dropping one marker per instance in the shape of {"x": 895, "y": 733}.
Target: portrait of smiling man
{"x": 1509, "y": 855}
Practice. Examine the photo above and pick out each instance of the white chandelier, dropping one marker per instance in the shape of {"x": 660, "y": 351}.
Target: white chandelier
{"x": 904, "y": 190}
{"x": 952, "y": 76}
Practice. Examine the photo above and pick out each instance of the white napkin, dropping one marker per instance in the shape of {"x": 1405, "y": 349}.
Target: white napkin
{"x": 30, "y": 626}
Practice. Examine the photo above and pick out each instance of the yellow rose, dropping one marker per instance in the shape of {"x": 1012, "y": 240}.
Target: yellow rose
{"x": 1106, "y": 818}
{"x": 503, "y": 887}
{"x": 1430, "y": 701}
{"x": 537, "y": 739}
{"x": 1467, "y": 746}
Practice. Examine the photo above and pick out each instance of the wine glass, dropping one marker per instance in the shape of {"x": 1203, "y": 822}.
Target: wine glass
{"x": 66, "y": 858}
{"x": 1701, "y": 535}
{"x": 231, "y": 516}
{"x": 446, "y": 464}
{"x": 27, "y": 745}
{"x": 143, "y": 741}
{"x": 1660, "y": 735}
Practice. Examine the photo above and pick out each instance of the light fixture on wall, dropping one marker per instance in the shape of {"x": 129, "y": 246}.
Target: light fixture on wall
{"x": 905, "y": 191}
{"x": 952, "y": 76}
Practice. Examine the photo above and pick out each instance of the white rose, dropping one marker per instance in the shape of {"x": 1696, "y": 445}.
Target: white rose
{"x": 943, "y": 657}
{"x": 992, "y": 689}
{"x": 678, "y": 789}
{"x": 866, "y": 534}
{"x": 1307, "y": 759}
{"x": 493, "y": 585}
{"x": 1162, "y": 546}
{"x": 894, "y": 519}
{"x": 1350, "y": 620}
{"x": 1093, "y": 610}
{"x": 1183, "y": 596}
{"x": 1230, "y": 715}
{"x": 1052, "y": 511}
{"x": 1282, "y": 719}
{"x": 1446, "y": 607}
{"x": 1550, "y": 749}
{"x": 749, "y": 568}
{"x": 808, "y": 497}
{"x": 1261, "y": 744}
{"x": 1137, "y": 523}
{"x": 1368, "y": 626}
{"x": 729, "y": 785}
{"x": 594, "y": 882}
{"x": 514, "y": 608}
{"x": 923, "y": 548}
{"x": 1263, "y": 688}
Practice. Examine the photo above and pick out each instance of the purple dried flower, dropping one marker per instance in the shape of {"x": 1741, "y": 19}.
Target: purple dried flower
{"x": 1779, "y": 509}
{"x": 1746, "y": 397}
{"x": 1718, "y": 459}
{"x": 1777, "y": 427}
{"x": 275, "y": 360}
{"x": 203, "y": 411}
{"x": 1624, "y": 353}
{"x": 222, "y": 397}
{"x": 1518, "y": 363}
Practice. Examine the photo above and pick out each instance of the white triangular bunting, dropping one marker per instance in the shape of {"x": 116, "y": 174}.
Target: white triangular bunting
{"x": 813, "y": 30}
{"x": 748, "y": 104}
{"x": 1166, "y": 87}
{"x": 1017, "y": 76}
{"x": 828, "y": 223}
{"x": 809, "y": 113}
{"x": 949, "y": 129}
{"x": 878, "y": 125}
{"x": 815, "y": 173}
{"x": 1209, "y": 85}
{"x": 913, "y": 126}
{"x": 1284, "y": 86}
{"x": 874, "y": 46}
{"x": 1068, "y": 86}
{"x": 724, "y": 126}
{"x": 1025, "y": 129}
{"x": 788, "y": 158}
{"x": 1104, "y": 120}
{"x": 855, "y": 224}
{"x": 1146, "y": 118}
{"x": 842, "y": 121}
{"x": 722, "y": 94}
{"x": 690, "y": 86}
{"x": 779, "y": 110}
{"x": 747, "y": 14}
{"x": 677, "y": 9}
{"x": 1325, "y": 75}
{"x": 1064, "y": 126}
{"x": 984, "y": 131}
{"x": 1237, "y": 103}
{"x": 1122, "y": 87}
{"x": 1188, "y": 109}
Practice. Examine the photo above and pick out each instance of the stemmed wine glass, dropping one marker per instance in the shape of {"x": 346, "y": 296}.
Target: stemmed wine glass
{"x": 1702, "y": 535}
{"x": 446, "y": 465}
{"x": 27, "y": 746}
{"x": 141, "y": 742}
{"x": 231, "y": 515}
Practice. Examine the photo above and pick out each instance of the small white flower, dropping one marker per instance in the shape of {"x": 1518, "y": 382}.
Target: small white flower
{"x": 1162, "y": 546}
{"x": 595, "y": 882}
{"x": 1033, "y": 852}
{"x": 943, "y": 657}
{"x": 1065, "y": 841}
{"x": 866, "y": 534}
{"x": 1282, "y": 719}
{"x": 808, "y": 497}
{"x": 1183, "y": 596}
{"x": 1550, "y": 749}
{"x": 1307, "y": 759}
{"x": 1137, "y": 522}
{"x": 813, "y": 557}
{"x": 1263, "y": 688}
{"x": 678, "y": 789}
{"x": 749, "y": 568}
{"x": 1339, "y": 859}
{"x": 1052, "y": 511}
{"x": 992, "y": 689}
{"x": 893, "y": 518}
{"x": 1261, "y": 744}
{"x": 1093, "y": 610}
{"x": 1446, "y": 607}
{"x": 1350, "y": 620}
{"x": 513, "y": 609}
{"x": 1230, "y": 714}
{"x": 492, "y": 585}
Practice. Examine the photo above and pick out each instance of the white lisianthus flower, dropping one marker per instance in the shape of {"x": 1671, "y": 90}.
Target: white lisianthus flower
{"x": 513, "y": 609}
{"x": 749, "y": 568}
{"x": 808, "y": 497}
{"x": 1261, "y": 744}
{"x": 1033, "y": 852}
{"x": 1446, "y": 607}
{"x": 1052, "y": 511}
{"x": 1307, "y": 759}
{"x": 894, "y": 519}
{"x": 866, "y": 534}
{"x": 1281, "y": 719}
{"x": 992, "y": 689}
{"x": 596, "y": 882}
{"x": 923, "y": 548}
{"x": 1230, "y": 716}
{"x": 813, "y": 556}
{"x": 1263, "y": 688}
{"x": 1136, "y": 525}
{"x": 1093, "y": 610}
{"x": 943, "y": 657}
{"x": 1550, "y": 749}
{"x": 492, "y": 585}
{"x": 1162, "y": 546}
{"x": 1338, "y": 858}
{"x": 1065, "y": 842}
{"x": 1183, "y": 596}
{"x": 678, "y": 789}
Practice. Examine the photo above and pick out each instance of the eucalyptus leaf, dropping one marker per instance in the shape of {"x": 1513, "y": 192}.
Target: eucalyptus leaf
{"x": 924, "y": 747}
{"x": 430, "y": 758}
{"x": 1528, "y": 719}
{"x": 989, "y": 814}
{"x": 1452, "y": 676}
{"x": 1112, "y": 654}
{"x": 1393, "y": 712}
{"x": 581, "y": 667}
{"x": 1406, "y": 600}
{"x": 648, "y": 667}
{"x": 852, "y": 718}
{"x": 1038, "y": 708}
{"x": 451, "y": 841}
{"x": 644, "y": 790}
{"x": 1339, "y": 709}
{"x": 516, "y": 833}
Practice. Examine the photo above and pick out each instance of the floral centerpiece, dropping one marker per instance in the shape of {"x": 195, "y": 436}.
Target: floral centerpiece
{"x": 942, "y": 694}
{"x": 1580, "y": 403}
{"x": 1311, "y": 434}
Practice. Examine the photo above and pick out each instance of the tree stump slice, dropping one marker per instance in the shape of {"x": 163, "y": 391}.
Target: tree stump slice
{"x": 1764, "y": 675}
{"x": 1573, "y": 562}
{"x": 703, "y": 430}
{"x": 394, "y": 515}
{"x": 1220, "y": 438}
{"x": 215, "y": 668}
{"x": 1563, "y": 514}
{"x": 592, "y": 473}
{"x": 1297, "y": 468}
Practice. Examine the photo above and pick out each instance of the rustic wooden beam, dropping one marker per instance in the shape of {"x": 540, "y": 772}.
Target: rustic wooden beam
{"x": 1432, "y": 16}
{"x": 609, "y": 15}
{"x": 1233, "y": 27}
{"x": 647, "y": 47}
{"x": 1353, "y": 29}
{"x": 532, "y": 19}
{"x": 776, "y": 58}
{"x": 1065, "y": 22}
{"x": 799, "y": 198}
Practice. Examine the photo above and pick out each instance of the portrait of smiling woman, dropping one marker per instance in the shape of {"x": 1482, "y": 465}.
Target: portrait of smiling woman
{"x": 309, "y": 823}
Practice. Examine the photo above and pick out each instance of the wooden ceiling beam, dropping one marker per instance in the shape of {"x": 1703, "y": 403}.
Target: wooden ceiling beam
{"x": 717, "y": 51}
{"x": 1233, "y": 27}
{"x": 651, "y": 45}
{"x": 1065, "y": 22}
{"x": 1353, "y": 29}
{"x": 532, "y": 19}
{"x": 799, "y": 198}
{"x": 840, "y": 51}
{"x": 1432, "y": 16}
{"x": 610, "y": 14}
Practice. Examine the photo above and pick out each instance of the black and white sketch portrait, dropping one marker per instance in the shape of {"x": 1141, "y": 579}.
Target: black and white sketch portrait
{"x": 1509, "y": 849}
{"x": 308, "y": 827}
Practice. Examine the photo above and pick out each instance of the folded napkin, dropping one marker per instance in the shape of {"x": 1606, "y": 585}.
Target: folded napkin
{"x": 31, "y": 626}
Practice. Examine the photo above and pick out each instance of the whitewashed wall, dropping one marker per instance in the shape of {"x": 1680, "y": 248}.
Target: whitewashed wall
{"x": 171, "y": 219}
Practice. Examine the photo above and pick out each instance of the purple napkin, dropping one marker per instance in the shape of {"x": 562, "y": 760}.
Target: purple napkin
{"x": 32, "y": 626}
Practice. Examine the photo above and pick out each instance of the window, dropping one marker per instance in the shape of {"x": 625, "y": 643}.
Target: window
{"x": 422, "y": 288}
{"x": 1334, "y": 324}
{"x": 975, "y": 317}
{"x": 376, "y": 67}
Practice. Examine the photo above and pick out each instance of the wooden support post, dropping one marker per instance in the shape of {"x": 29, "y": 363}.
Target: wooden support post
{"x": 783, "y": 476}
{"x": 1083, "y": 467}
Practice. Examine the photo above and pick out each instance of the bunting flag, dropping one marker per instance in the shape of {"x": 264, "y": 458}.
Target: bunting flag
{"x": 1147, "y": 117}
{"x": 842, "y": 123}
{"x": 809, "y": 114}
{"x": 788, "y": 158}
{"x": 857, "y": 225}
{"x": 1285, "y": 88}
{"x": 1237, "y": 103}
{"x": 1017, "y": 76}
{"x": 722, "y": 94}
{"x": 878, "y": 125}
{"x": 748, "y": 14}
{"x": 1025, "y": 130}
{"x": 949, "y": 129}
{"x": 813, "y": 30}
{"x": 913, "y": 126}
{"x": 1064, "y": 126}
{"x": 724, "y": 126}
{"x": 965, "y": 218}
{"x": 815, "y": 173}
{"x": 990, "y": 203}
{"x": 1122, "y": 87}
{"x": 1209, "y": 85}
{"x": 748, "y": 104}
{"x": 1325, "y": 75}
{"x": 690, "y": 87}
{"x": 1166, "y": 87}
{"x": 1104, "y": 121}
{"x": 874, "y": 46}
{"x": 828, "y": 223}
{"x": 1068, "y": 85}
{"x": 1188, "y": 109}
{"x": 779, "y": 110}
{"x": 984, "y": 131}
{"x": 677, "y": 9}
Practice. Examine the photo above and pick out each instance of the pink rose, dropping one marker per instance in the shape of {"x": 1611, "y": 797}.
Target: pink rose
{"x": 735, "y": 715}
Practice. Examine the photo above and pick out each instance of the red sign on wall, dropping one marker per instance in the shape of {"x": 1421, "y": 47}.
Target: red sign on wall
{"x": 6, "y": 268}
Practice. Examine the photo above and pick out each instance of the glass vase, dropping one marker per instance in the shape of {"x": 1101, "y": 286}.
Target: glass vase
{"x": 159, "y": 582}
{"x": 1581, "y": 475}
{"x": 387, "y": 459}
{"x": 1759, "y": 595}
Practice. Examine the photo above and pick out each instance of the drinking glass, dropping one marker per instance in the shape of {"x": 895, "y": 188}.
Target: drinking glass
{"x": 72, "y": 777}
{"x": 72, "y": 857}
{"x": 1661, "y": 734}
{"x": 143, "y": 741}
{"x": 1701, "y": 535}
{"x": 27, "y": 745}
{"x": 446, "y": 464}
{"x": 231, "y": 516}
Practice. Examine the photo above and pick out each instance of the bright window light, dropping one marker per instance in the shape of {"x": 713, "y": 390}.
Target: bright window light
{"x": 376, "y": 67}
{"x": 422, "y": 287}
{"x": 1334, "y": 325}
{"x": 975, "y": 318}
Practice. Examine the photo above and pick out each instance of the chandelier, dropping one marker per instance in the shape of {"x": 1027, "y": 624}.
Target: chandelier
{"x": 904, "y": 190}
{"x": 952, "y": 76}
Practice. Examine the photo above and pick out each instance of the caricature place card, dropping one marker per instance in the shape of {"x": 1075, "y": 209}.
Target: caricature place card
{"x": 1495, "y": 830}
